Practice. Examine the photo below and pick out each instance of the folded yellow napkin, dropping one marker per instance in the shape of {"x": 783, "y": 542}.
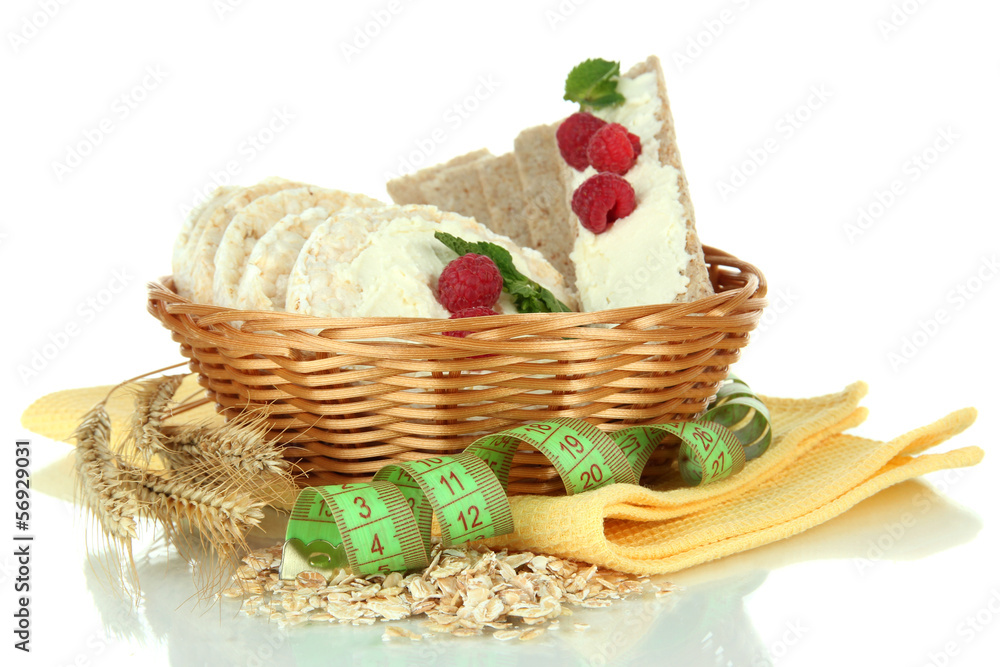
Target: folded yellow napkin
{"x": 811, "y": 473}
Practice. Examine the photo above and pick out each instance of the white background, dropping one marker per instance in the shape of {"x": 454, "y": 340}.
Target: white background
{"x": 885, "y": 79}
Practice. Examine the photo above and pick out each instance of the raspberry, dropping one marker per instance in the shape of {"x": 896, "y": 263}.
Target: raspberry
{"x": 636, "y": 144}
{"x": 471, "y": 280}
{"x": 573, "y": 136}
{"x": 602, "y": 199}
{"x": 612, "y": 148}
{"x": 475, "y": 311}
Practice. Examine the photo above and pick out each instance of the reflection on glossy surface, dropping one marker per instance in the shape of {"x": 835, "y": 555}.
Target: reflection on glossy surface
{"x": 717, "y": 630}
{"x": 704, "y": 623}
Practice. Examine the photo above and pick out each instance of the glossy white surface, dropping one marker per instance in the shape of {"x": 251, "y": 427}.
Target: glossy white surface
{"x": 917, "y": 105}
{"x": 860, "y": 584}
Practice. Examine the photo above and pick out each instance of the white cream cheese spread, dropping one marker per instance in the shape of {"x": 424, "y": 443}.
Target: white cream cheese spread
{"x": 640, "y": 259}
{"x": 385, "y": 262}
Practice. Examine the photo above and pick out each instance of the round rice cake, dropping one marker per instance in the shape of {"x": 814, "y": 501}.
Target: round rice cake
{"x": 251, "y": 223}
{"x": 187, "y": 239}
{"x": 385, "y": 262}
{"x": 265, "y": 276}
{"x": 209, "y": 231}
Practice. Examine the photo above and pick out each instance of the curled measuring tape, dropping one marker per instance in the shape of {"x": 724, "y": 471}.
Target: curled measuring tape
{"x": 385, "y": 525}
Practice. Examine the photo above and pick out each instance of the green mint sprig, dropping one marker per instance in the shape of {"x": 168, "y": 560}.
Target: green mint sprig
{"x": 528, "y": 296}
{"x": 594, "y": 83}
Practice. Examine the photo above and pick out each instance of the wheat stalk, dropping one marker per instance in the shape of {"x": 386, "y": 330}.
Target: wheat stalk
{"x": 218, "y": 479}
{"x": 242, "y": 444}
{"x": 153, "y": 401}
{"x": 242, "y": 451}
{"x": 99, "y": 477}
{"x": 220, "y": 509}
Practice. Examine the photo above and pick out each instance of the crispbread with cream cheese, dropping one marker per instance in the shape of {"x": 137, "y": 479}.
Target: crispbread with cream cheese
{"x": 385, "y": 261}
{"x": 615, "y": 271}
{"x": 696, "y": 271}
{"x": 506, "y": 198}
{"x": 653, "y": 255}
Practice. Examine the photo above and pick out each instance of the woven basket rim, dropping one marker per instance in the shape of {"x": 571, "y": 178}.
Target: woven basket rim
{"x": 755, "y": 287}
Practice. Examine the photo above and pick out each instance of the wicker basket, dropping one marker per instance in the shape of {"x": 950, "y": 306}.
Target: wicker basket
{"x": 348, "y": 395}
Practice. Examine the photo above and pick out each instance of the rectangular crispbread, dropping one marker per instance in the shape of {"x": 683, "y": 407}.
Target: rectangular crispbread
{"x": 408, "y": 189}
{"x": 700, "y": 285}
{"x": 459, "y": 189}
{"x": 536, "y": 212}
{"x": 505, "y": 198}
{"x": 539, "y": 166}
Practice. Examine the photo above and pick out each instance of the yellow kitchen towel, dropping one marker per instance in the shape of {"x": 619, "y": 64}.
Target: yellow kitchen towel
{"x": 57, "y": 415}
{"x": 811, "y": 473}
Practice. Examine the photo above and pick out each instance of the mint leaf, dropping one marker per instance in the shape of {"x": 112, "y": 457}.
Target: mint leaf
{"x": 594, "y": 83}
{"x": 528, "y": 296}
{"x": 499, "y": 255}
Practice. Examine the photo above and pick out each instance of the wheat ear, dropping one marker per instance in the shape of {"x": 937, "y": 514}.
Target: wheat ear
{"x": 221, "y": 510}
{"x": 153, "y": 401}
{"x": 217, "y": 482}
{"x": 242, "y": 443}
{"x": 99, "y": 477}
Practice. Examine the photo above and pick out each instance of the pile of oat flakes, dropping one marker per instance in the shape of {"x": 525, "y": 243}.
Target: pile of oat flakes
{"x": 464, "y": 592}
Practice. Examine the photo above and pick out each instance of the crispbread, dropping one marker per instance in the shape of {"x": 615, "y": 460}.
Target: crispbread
{"x": 658, "y": 272}
{"x": 547, "y": 185}
{"x": 699, "y": 285}
{"x": 459, "y": 190}
{"x": 316, "y": 284}
{"x": 508, "y": 198}
{"x": 256, "y": 218}
{"x": 212, "y": 227}
{"x": 187, "y": 240}
{"x": 505, "y": 198}
{"x": 265, "y": 276}
{"x": 539, "y": 166}
{"x": 385, "y": 262}
{"x": 407, "y": 189}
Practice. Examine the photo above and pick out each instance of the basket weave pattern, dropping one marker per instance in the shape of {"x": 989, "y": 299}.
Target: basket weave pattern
{"x": 346, "y": 396}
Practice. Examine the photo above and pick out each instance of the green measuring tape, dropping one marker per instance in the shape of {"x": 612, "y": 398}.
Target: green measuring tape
{"x": 385, "y": 526}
